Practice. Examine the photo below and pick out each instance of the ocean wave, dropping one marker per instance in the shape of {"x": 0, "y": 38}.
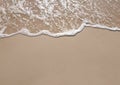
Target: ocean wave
{"x": 57, "y": 17}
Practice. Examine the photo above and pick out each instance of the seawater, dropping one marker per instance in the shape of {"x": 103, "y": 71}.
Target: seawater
{"x": 57, "y": 17}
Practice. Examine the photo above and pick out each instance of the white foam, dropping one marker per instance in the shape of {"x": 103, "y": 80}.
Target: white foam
{"x": 88, "y": 11}
{"x": 71, "y": 32}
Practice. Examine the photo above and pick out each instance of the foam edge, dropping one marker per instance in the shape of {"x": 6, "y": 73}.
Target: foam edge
{"x": 71, "y": 32}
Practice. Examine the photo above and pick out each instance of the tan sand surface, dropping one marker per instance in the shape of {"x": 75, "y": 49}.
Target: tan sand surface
{"x": 92, "y": 57}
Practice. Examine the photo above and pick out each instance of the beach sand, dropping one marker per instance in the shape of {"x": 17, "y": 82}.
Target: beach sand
{"x": 92, "y": 57}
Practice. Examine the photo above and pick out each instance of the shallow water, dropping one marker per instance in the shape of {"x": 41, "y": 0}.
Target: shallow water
{"x": 57, "y": 17}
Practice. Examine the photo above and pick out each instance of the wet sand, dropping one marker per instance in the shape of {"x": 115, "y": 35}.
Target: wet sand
{"x": 92, "y": 57}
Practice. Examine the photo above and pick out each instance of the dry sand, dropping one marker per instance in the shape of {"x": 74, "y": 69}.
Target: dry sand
{"x": 92, "y": 57}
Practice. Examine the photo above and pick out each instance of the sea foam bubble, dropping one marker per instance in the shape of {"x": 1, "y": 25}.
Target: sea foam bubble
{"x": 57, "y": 17}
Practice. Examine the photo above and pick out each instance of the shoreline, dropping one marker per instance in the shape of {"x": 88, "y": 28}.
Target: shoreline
{"x": 71, "y": 32}
{"x": 91, "y": 55}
